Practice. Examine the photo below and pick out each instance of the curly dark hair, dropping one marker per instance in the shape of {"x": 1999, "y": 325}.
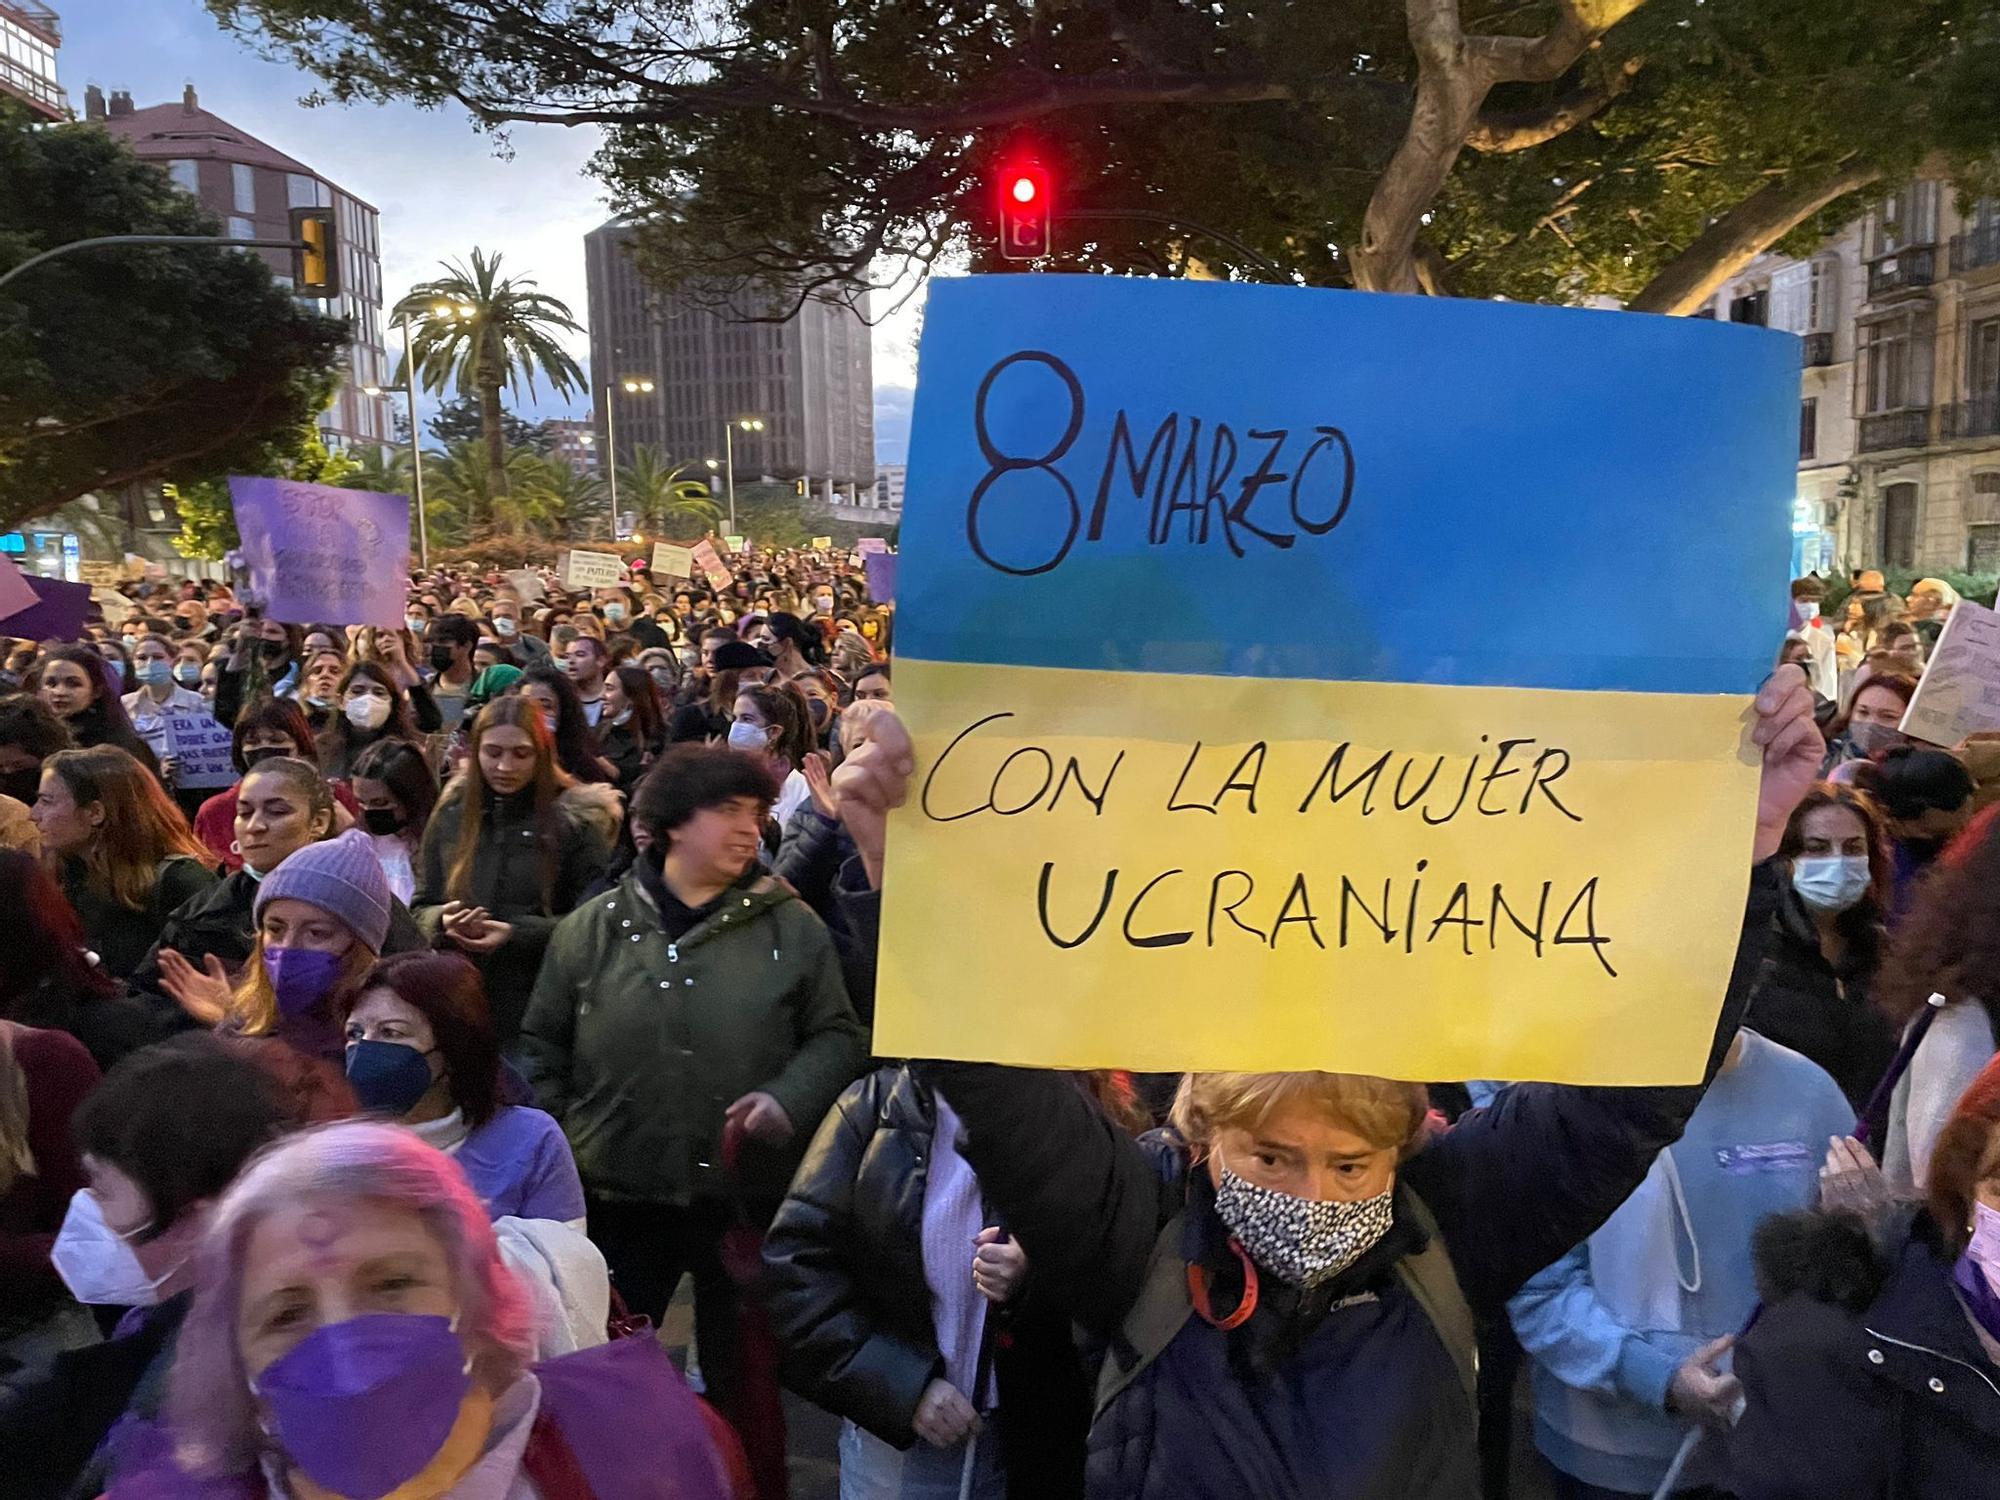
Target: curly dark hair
{"x": 1949, "y": 943}
{"x": 690, "y": 778}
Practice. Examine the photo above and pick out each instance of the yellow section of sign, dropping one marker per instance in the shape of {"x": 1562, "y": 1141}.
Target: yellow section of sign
{"x": 1166, "y": 872}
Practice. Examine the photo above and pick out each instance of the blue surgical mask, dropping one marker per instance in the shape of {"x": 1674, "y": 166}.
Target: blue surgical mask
{"x": 153, "y": 672}
{"x": 188, "y": 676}
{"x": 1833, "y": 882}
{"x": 614, "y": 614}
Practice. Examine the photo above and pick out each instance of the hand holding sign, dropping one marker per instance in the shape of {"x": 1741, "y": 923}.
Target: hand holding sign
{"x": 1789, "y": 736}
{"x": 873, "y": 780}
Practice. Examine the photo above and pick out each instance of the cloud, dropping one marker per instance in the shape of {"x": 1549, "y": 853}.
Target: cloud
{"x": 892, "y": 423}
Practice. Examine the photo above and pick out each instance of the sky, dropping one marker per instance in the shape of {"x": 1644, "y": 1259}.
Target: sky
{"x": 439, "y": 185}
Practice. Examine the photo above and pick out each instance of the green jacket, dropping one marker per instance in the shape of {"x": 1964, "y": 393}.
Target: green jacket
{"x": 638, "y": 1044}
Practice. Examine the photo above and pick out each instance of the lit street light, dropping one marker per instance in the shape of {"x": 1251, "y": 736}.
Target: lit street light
{"x": 748, "y": 424}
{"x": 634, "y": 385}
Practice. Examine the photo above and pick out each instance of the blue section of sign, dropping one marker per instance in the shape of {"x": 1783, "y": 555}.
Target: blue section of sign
{"x": 1200, "y": 477}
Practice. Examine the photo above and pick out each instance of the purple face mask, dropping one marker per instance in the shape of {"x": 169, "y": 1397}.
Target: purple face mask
{"x": 1977, "y": 1274}
{"x": 301, "y": 977}
{"x": 362, "y": 1406}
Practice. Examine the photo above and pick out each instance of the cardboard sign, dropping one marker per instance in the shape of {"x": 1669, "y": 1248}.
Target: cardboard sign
{"x": 881, "y": 570}
{"x": 822, "y": 544}
{"x": 713, "y": 568}
{"x": 101, "y": 574}
{"x": 15, "y": 595}
{"x": 56, "y": 615}
{"x": 1960, "y": 691}
{"x": 318, "y": 554}
{"x": 527, "y": 585}
{"x": 672, "y": 561}
{"x": 202, "y": 747}
{"x": 593, "y": 570}
{"x": 1215, "y": 768}
{"x": 734, "y": 544}
{"x": 870, "y": 544}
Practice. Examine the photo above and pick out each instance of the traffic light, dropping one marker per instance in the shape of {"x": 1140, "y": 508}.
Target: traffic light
{"x": 1026, "y": 210}
{"x": 316, "y": 259}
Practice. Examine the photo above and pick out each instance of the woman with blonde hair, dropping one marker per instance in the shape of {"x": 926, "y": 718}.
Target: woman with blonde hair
{"x": 509, "y": 851}
{"x": 123, "y": 852}
{"x": 355, "y": 1332}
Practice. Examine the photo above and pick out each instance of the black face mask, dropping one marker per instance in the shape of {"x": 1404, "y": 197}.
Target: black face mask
{"x": 441, "y": 658}
{"x": 22, "y": 786}
{"x": 274, "y": 651}
{"x": 382, "y": 820}
{"x": 252, "y": 757}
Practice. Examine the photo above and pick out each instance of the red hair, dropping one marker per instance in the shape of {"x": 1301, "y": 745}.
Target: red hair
{"x": 1965, "y": 1156}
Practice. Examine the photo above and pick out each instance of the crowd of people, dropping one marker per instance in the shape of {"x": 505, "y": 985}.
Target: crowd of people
{"x": 361, "y": 1119}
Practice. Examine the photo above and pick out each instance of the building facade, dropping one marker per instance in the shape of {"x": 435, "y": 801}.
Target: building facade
{"x": 30, "y": 36}
{"x": 809, "y": 380}
{"x": 573, "y": 442}
{"x": 252, "y": 188}
{"x": 1899, "y": 413}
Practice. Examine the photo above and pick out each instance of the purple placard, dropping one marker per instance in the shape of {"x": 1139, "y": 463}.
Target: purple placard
{"x": 57, "y": 614}
{"x": 320, "y": 554}
{"x": 881, "y": 570}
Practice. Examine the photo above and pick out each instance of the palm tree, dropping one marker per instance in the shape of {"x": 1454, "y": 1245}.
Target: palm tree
{"x": 653, "y": 487}
{"x": 458, "y": 485}
{"x": 570, "y": 502}
{"x": 481, "y": 332}
{"x": 384, "y": 470}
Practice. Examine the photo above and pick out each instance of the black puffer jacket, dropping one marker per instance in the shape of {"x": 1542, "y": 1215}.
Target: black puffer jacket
{"x": 1863, "y": 1378}
{"x": 845, "y": 1286}
{"x": 1356, "y": 1400}
{"x": 1803, "y": 1003}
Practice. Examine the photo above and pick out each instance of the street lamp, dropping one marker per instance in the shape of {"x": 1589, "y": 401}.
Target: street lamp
{"x": 748, "y": 424}
{"x": 416, "y": 447}
{"x": 634, "y": 385}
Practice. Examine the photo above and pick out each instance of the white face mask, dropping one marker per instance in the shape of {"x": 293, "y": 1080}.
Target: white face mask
{"x": 367, "y": 713}
{"x": 504, "y": 626}
{"x": 1831, "y": 882}
{"x": 98, "y": 1264}
{"x": 747, "y": 737}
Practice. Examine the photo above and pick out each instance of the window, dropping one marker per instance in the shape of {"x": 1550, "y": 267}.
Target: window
{"x": 243, "y": 188}
{"x": 1982, "y": 369}
{"x": 186, "y": 174}
{"x": 1899, "y": 526}
{"x": 241, "y": 228}
{"x": 1909, "y": 218}
{"x": 1808, "y": 427}
{"x": 1982, "y": 549}
{"x": 1896, "y": 363}
{"x": 302, "y": 191}
{"x": 1752, "y": 308}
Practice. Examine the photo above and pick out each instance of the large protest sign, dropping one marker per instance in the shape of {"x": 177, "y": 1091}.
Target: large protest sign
{"x": 318, "y": 554}
{"x": 1960, "y": 691}
{"x": 880, "y": 570}
{"x": 1273, "y": 704}
{"x": 671, "y": 560}
{"x": 203, "y": 750}
{"x": 713, "y": 568}
{"x": 593, "y": 570}
{"x": 15, "y": 595}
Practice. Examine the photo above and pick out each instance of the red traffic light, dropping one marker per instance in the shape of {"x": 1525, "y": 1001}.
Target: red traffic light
{"x": 1025, "y": 211}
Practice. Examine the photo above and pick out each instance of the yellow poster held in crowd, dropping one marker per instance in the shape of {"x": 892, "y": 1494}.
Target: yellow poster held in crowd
{"x": 1284, "y": 694}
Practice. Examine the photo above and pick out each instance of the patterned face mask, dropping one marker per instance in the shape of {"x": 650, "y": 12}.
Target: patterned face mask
{"x": 1301, "y": 1241}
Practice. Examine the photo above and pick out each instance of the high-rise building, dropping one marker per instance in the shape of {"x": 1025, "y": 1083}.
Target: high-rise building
{"x": 1899, "y": 406}
{"x": 572, "y": 442}
{"x": 30, "y": 33}
{"x": 809, "y": 380}
{"x": 252, "y": 188}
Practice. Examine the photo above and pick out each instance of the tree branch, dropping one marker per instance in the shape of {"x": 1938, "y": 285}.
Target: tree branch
{"x": 1745, "y": 232}
{"x": 1523, "y": 129}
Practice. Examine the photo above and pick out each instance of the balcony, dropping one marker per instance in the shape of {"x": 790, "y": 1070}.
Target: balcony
{"x": 1896, "y": 429}
{"x": 1979, "y": 417}
{"x": 1816, "y": 349}
{"x": 1909, "y": 269}
{"x": 1975, "y": 249}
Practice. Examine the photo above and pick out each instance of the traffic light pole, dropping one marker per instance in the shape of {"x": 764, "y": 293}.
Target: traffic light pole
{"x": 150, "y": 239}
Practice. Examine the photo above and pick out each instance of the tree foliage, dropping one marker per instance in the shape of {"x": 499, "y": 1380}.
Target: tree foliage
{"x": 128, "y": 363}
{"x": 208, "y": 520}
{"x": 479, "y": 332}
{"x": 1534, "y": 148}
{"x": 651, "y": 487}
{"x": 459, "y": 421}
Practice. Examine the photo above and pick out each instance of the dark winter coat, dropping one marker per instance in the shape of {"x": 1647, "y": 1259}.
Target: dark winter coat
{"x": 1864, "y": 1378}
{"x": 848, "y": 1299}
{"x": 109, "y": 1026}
{"x": 1803, "y": 1003}
{"x": 507, "y": 879}
{"x": 119, "y": 936}
{"x": 637, "y": 1044}
{"x": 1349, "y": 1392}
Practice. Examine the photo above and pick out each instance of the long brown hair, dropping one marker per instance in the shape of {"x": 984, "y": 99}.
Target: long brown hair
{"x": 784, "y": 708}
{"x": 141, "y": 829}
{"x": 1881, "y": 870}
{"x": 550, "y": 783}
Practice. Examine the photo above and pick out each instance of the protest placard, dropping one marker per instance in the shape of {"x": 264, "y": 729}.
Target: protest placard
{"x": 318, "y": 554}
{"x": 101, "y": 574}
{"x": 870, "y": 544}
{"x": 15, "y": 595}
{"x": 528, "y": 585}
{"x": 734, "y": 545}
{"x": 672, "y": 561}
{"x": 880, "y": 568}
{"x": 56, "y": 615}
{"x": 593, "y": 570}
{"x": 1219, "y": 765}
{"x": 822, "y": 544}
{"x": 713, "y": 568}
{"x": 203, "y": 750}
{"x": 1960, "y": 691}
